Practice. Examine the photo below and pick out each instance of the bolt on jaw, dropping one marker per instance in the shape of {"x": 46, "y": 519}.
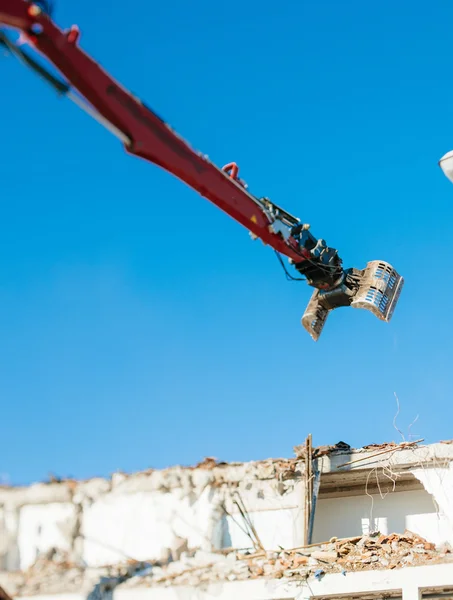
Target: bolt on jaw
{"x": 376, "y": 288}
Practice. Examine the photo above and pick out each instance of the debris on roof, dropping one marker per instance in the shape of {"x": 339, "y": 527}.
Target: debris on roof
{"x": 337, "y": 556}
{"x": 300, "y": 451}
{"x": 54, "y": 572}
{"x": 208, "y": 463}
{"x": 171, "y": 477}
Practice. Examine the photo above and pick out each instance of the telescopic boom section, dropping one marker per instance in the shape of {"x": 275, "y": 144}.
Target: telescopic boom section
{"x": 146, "y": 135}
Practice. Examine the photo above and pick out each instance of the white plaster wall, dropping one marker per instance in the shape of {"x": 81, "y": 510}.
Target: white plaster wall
{"x": 142, "y": 525}
{"x": 42, "y": 527}
{"x": 277, "y": 517}
{"x": 9, "y": 550}
{"x": 438, "y": 481}
{"x": 3, "y": 540}
{"x": 357, "y": 515}
{"x": 132, "y": 519}
{"x": 274, "y": 527}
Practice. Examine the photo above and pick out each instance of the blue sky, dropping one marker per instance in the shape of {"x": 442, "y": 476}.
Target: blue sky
{"x": 117, "y": 354}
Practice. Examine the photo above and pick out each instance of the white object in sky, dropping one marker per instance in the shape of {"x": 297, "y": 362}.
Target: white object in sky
{"x": 446, "y": 164}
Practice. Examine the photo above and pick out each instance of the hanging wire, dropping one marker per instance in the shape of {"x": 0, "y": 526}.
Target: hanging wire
{"x": 289, "y": 277}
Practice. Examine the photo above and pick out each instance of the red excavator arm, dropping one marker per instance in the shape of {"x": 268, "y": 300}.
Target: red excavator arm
{"x": 146, "y": 135}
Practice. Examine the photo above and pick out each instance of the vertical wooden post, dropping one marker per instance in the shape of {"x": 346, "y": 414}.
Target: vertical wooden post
{"x": 308, "y": 491}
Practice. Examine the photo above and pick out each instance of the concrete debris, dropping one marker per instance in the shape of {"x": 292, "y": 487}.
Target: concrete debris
{"x": 387, "y": 551}
{"x": 322, "y": 450}
{"x": 179, "y": 546}
{"x": 209, "y": 471}
{"x": 50, "y": 574}
{"x": 209, "y": 463}
{"x": 59, "y": 489}
{"x": 380, "y": 446}
{"x": 98, "y": 523}
{"x": 106, "y": 585}
{"x": 338, "y": 556}
{"x": 54, "y": 572}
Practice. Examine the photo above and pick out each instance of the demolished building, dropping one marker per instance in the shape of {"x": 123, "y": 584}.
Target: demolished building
{"x": 375, "y": 522}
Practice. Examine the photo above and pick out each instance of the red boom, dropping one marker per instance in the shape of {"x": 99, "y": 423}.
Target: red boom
{"x": 147, "y": 135}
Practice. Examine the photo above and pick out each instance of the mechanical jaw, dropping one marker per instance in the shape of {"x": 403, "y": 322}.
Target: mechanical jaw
{"x": 376, "y": 288}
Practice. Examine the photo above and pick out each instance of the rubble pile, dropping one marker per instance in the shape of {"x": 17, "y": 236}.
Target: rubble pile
{"x": 353, "y": 554}
{"x": 49, "y": 569}
{"x": 389, "y": 552}
{"x": 337, "y": 556}
{"x": 55, "y": 572}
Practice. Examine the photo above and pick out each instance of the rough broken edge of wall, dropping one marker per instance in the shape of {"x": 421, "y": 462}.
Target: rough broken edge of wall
{"x": 57, "y": 571}
{"x": 53, "y": 574}
{"x": 207, "y": 472}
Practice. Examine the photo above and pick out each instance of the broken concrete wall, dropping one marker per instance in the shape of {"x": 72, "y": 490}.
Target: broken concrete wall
{"x": 147, "y": 525}
{"x": 9, "y": 548}
{"x": 31, "y": 520}
{"x": 276, "y": 528}
{"x": 274, "y": 508}
{"x": 191, "y": 516}
{"x": 153, "y": 515}
{"x": 201, "y": 569}
{"x": 42, "y": 527}
{"x": 438, "y": 481}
